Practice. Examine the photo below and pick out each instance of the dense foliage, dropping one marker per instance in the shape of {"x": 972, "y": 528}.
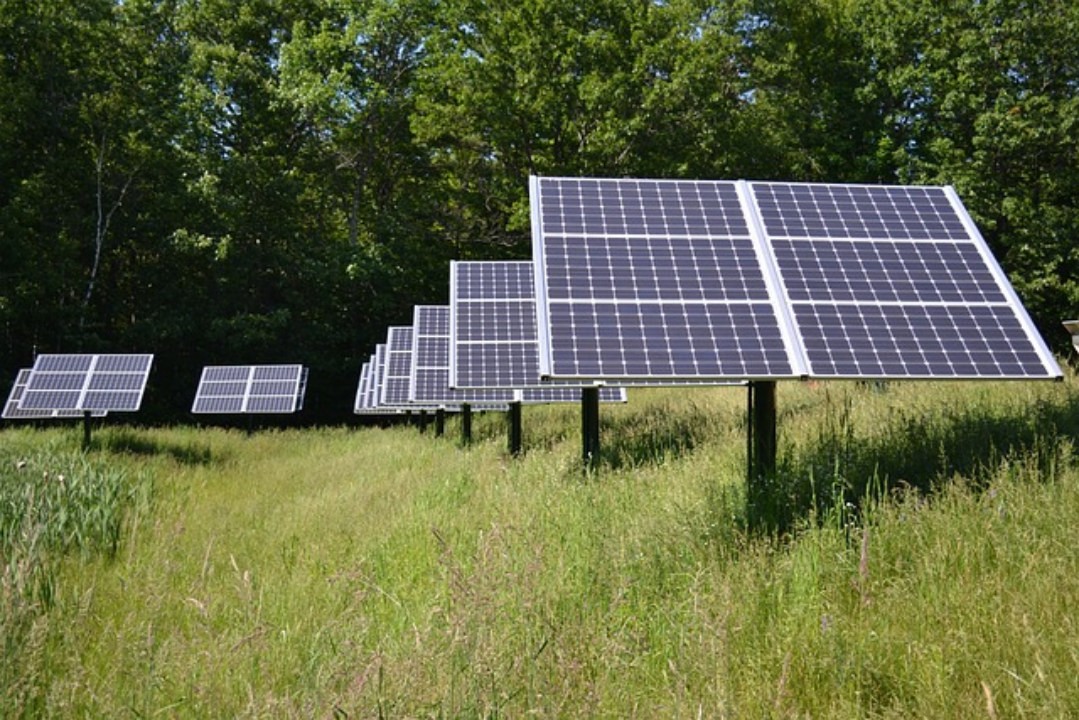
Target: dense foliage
{"x": 237, "y": 181}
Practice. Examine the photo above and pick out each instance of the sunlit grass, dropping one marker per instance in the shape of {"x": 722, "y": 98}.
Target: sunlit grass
{"x": 924, "y": 568}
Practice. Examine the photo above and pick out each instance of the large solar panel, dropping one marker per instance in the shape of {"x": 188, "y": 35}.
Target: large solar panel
{"x": 895, "y": 282}
{"x": 229, "y": 389}
{"x": 86, "y": 383}
{"x": 653, "y": 279}
{"x": 12, "y": 411}
{"x": 717, "y": 279}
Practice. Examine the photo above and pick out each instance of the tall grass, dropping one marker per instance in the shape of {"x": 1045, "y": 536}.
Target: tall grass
{"x": 54, "y": 503}
{"x": 923, "y": 567}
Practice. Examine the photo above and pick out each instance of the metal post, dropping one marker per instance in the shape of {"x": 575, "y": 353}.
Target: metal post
{"x": 514, "y": 416}
{"x": 590, "y": 427}
{"x": 86, "y": 430}
{"x": 440, "y": 422}
{"x": 466, "y": 424}
{"x": 764, "y": 428}
{"x": 423, "y": 421}
{"x": 761, "y": 429}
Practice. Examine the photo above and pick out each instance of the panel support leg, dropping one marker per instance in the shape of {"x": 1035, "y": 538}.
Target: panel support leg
{"x": 590, "y": 427}
{"x": 86, "y": 430}
{"x": 466, "y": 424}
{"x": 440, "y": 422}
{"x": 761, "y": 431}
{"x": 514, "y": 417}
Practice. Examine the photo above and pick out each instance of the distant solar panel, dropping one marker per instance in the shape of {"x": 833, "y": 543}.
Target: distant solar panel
{"x": 86, "y": 383}
{"x": 396, "y": 372}
{"x": 13, "y": 412}
{"x": 895, "y": 282}
{"x": 494, "y": 341}
{"x": 715, "y": 279}
{"x": 430, "y": 381}
{"x": 230, "y": 389}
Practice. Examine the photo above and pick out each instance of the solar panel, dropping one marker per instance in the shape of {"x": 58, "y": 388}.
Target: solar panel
{"x": 74, "y": 384}
{"x": 396, "y": 371}
{"x": 640, "y": 279}
{"x": 653, "y": 279}
{"x": 494, "y": 340}
{"x": 895, "y": 282}
{"x": 230, "y": 389}
{"x": 13, "y": 412}
{"x": 431, "y": 363}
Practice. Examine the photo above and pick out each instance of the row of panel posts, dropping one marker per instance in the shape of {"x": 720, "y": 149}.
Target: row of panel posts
{"x": 760, "y": 431}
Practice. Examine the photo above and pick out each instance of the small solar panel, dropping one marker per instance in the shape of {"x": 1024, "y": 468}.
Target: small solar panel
{"x": 74, "y": 384}
{"x": 232, "y": 389}
{"x": 370, "y": 391}
{"x": 647, "y": 279}
{"x": 895, "y": 282}
{"x": 13, "y": 412}
{"x": 431, "y": 363}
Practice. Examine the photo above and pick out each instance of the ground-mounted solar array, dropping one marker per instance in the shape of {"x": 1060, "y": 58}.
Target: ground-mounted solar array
{"x": 74, "y": 384}
{"x": 715, "y": 279}
{"x": 230, "y": 389}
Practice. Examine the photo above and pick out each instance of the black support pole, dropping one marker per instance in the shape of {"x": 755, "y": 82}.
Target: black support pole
{"x": 423, "y": 421}
{"x": 590, "y": 427}
{"x": 762, "y": 458}
{"x": 86, "y": 430}
{"x": 440, "y": 422}
{"x": 514, "y": 417}
{"x": 466, "y": 424}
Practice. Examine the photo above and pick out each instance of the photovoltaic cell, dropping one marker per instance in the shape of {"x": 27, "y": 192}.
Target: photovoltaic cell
{"x": 894, "y": 282}
{"x": 230, "y": 389}
{"x": 74, "y": 384}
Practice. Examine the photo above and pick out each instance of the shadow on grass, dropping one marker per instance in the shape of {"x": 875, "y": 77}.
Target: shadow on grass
{"x": 843, "y": 467}
{"x": 659, "y": 434}
{"x": 129, "y": 441}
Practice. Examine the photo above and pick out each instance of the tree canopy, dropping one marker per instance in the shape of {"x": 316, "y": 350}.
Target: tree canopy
{"x": 245, "y": 181}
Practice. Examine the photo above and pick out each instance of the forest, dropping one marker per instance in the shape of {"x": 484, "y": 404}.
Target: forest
{"x": 264, "y": 181}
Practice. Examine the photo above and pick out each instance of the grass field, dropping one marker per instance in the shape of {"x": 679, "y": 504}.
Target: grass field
{"x": 914, "y": 557}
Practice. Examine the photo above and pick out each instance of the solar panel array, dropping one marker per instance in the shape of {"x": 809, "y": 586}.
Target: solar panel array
{"x": 62, "y": 385}
{"x": 715, "y": 279}
{"x": 250, "y": 389}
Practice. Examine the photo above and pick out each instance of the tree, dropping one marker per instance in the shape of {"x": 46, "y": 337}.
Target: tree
{"x": 985, "y": 96}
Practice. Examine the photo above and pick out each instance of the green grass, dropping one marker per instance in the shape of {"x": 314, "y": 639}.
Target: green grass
{"x": 916, "y": 560}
